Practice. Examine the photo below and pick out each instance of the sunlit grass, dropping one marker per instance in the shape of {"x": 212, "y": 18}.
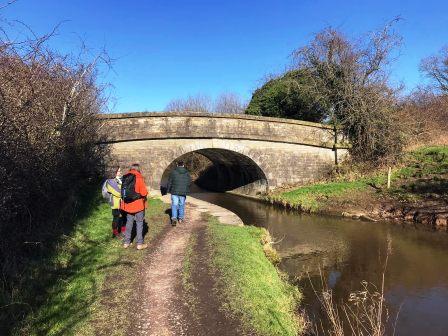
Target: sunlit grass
{"x": 250, "y": 286}
{"x": 89, "y": 278}
{"x": 422, "y": 170}
{"x": 309, "y": 198}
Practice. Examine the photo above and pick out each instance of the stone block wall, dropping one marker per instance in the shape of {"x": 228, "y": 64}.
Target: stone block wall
{"x": 281, "y": 163}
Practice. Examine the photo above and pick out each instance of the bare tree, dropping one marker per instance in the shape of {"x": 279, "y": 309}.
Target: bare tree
{"x": 225, "y": 103}
{"x": 436, "y": 69}
{"x": 349, "y": 79}
{"x": 424, "y": 113}
{"x": 197, "y": 103}
{"x": 229, "y": 103}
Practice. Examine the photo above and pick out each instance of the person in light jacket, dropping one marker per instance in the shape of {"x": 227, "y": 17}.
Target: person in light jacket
{"x": 113, "y": 187}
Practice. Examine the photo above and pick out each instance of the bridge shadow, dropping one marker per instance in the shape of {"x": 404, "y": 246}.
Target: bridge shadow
{"x": 220, "y": 170}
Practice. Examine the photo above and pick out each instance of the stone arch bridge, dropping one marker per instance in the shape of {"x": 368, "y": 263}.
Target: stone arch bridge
{"x": 242, "y": 153}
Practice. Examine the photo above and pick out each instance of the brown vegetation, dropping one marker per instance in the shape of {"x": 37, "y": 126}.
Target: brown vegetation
{"x": 424, "y": 116}
{"x": 363, "y": 313}
{"x": 228, "y": 103}
{"x": 344, "y": 81}
{"x": 436, "y": 69}
{"x": 48, "y": 146}
{"x": 425, "y": 111}
{"x": 349, "y": 80}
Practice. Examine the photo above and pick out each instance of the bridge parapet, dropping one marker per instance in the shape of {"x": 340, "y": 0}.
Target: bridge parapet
{"x": 156, "y": 125}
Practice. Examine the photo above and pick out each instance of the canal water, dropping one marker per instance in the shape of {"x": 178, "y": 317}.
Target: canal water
{"x": 348, "y": 252}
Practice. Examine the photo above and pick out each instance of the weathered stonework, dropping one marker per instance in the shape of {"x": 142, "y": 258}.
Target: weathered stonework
{"x": 285, "y": 151}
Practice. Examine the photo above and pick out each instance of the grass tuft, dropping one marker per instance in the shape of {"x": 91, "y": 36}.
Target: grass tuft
{"x": 190, "y": 291}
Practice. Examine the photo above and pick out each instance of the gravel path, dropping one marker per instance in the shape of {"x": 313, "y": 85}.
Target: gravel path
{"x": 162, "y": 308}
{"x": 160, "y": 312}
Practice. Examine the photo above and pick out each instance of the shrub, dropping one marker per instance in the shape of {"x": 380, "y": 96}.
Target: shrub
{"x": 286, "y": 97}
{"x": 48, "y": 144}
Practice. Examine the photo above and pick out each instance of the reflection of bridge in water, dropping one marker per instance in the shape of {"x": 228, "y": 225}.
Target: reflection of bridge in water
{"x": 224, "y": 152}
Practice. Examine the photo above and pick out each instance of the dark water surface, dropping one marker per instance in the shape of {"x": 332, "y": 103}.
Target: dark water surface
{"x": 350, "y": 251}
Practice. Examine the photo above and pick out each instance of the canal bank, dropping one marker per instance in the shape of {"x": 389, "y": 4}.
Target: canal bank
{"x": 418, "y": 192}
{"x": 349, "y": 252}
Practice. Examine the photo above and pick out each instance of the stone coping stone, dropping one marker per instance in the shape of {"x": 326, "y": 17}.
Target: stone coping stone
{"x": 211, "y": 115}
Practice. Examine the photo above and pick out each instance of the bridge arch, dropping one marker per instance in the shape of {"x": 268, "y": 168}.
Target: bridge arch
{"x": 221, "y": 170}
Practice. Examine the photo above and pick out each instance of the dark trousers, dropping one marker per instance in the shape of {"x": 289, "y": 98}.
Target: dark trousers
{"x": 117, "y": 221}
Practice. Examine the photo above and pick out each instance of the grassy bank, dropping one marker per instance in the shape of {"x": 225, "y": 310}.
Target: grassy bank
{"x": 250, "y": 287}
{"x": 420, "y": 174}
{"x": 90, "y": 278}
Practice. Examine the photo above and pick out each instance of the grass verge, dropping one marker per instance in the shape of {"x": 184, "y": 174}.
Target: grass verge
{"x": 310, "y": 198}
{"x": 90, "y": 278}
{"x": 419, "y": 173}
{"x": 250, "y": 287}
{"x": 190, "y": 291}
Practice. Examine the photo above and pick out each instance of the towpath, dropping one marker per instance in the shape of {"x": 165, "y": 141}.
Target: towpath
{"x": 162, "y": 306}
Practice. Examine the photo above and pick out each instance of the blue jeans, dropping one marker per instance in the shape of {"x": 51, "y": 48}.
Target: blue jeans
{"x": 178, "y": 206}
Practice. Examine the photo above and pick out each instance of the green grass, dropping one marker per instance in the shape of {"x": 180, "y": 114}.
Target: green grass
{"x": 309, "y": 198}
{"x": 423, "y": 162}
{"x": 423, "y": 172}
{"x": 187, "y": 263}
{"x": 187, "y": 277}
{"x": 90, "y": 278}
{"x": 250, "y": 286}
{"x": 419, "y": 172}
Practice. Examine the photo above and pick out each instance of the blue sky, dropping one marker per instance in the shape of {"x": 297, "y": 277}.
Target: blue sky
{"x": 170, "y": 49}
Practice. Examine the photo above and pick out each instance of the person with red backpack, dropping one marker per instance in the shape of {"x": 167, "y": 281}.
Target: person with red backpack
{"x": 133, "y": 202}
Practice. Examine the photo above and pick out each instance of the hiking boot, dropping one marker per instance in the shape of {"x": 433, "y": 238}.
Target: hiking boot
{"x": 181, "y": 221}
{"x": 173, "y": 221}
{"x": 125, "y": 245}
{"x": 142, "y": 246}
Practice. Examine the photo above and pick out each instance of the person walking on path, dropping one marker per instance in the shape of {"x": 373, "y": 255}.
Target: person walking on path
{"x": 178, "y": 186}
{"x": 133, "y": 194}
{"x": 113, "y": 188}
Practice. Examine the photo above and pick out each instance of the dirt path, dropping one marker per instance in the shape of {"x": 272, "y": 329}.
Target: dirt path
{"x": 161, "y": 307}
{"x": 207, "y": 315}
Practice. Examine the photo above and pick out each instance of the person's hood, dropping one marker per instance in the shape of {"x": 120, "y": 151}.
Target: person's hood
{"x": 181, "y": 170}
{"x": 135, "y": 172}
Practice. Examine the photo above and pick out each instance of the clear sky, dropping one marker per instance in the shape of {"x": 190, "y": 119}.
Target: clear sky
{"x": 169, "y": 49}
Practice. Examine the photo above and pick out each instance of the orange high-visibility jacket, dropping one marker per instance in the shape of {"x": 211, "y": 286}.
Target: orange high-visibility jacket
{"x": 140, "y": 187}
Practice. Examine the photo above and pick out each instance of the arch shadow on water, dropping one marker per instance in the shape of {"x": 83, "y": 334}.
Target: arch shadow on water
{"x": 221, "y": 170}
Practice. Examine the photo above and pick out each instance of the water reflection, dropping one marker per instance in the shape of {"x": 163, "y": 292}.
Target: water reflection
{"x": 350, "y": 251}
